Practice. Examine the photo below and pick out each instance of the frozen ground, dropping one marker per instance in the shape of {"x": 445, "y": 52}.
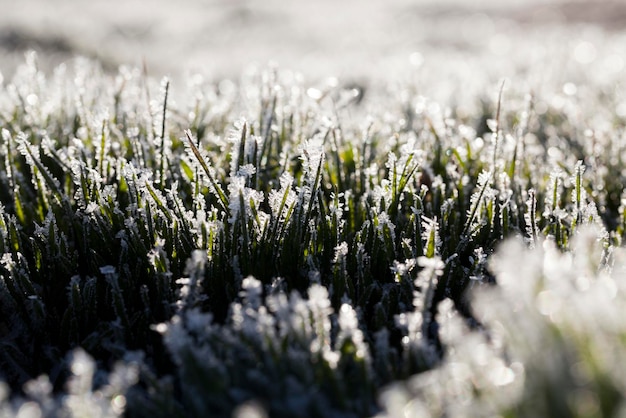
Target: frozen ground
{"x": 351, "y": 39}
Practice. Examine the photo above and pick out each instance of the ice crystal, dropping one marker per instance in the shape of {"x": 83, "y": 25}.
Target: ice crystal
{"x": 385, "y": 226}
{"x": 430, "y": 236}
{"x": 349, "y": 329}
{"x": 400, "y": 270}
{"x": 246, "y": 171}
{"x": 243, "y": 201}
{"x": 553, "y": 192}
{"x": 281, "y": 201}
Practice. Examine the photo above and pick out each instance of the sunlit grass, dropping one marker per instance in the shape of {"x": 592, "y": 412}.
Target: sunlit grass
{"x": 268, "y": 241}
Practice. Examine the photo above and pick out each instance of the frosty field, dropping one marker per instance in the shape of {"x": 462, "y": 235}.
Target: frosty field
{"x": 416, "y": 210}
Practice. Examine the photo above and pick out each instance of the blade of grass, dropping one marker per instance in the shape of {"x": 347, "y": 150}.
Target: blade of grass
{"x": 222, "y": 199}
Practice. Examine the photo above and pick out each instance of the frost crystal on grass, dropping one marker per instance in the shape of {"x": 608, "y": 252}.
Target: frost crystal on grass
{"x": 385, "y": 226}
{"x": 312, "y": 156}
{"x": 246, "y": 171}
{"x": 252, "y": 292}
{"x": 430, "y": 236}
{"x": 281, "y": 201}
{"x": 349, "y": 332}
{"x": 243, "y": 201}
{"x": 553, "y": 193}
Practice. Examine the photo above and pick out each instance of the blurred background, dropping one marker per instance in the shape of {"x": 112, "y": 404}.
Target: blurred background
{"x": 344, "y": 38}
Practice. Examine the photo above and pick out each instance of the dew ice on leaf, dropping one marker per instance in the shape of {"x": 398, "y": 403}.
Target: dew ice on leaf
{"x": 281, "y": 201}
{"x": 349, "y": 331}
{"x": 244, "y": 202}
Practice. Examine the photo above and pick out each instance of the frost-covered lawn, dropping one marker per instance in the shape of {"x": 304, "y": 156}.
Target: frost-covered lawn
{"x": 439, "y": 243}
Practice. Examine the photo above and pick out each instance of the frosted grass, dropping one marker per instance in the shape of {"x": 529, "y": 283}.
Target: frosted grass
{"x": 276, "y": 247}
